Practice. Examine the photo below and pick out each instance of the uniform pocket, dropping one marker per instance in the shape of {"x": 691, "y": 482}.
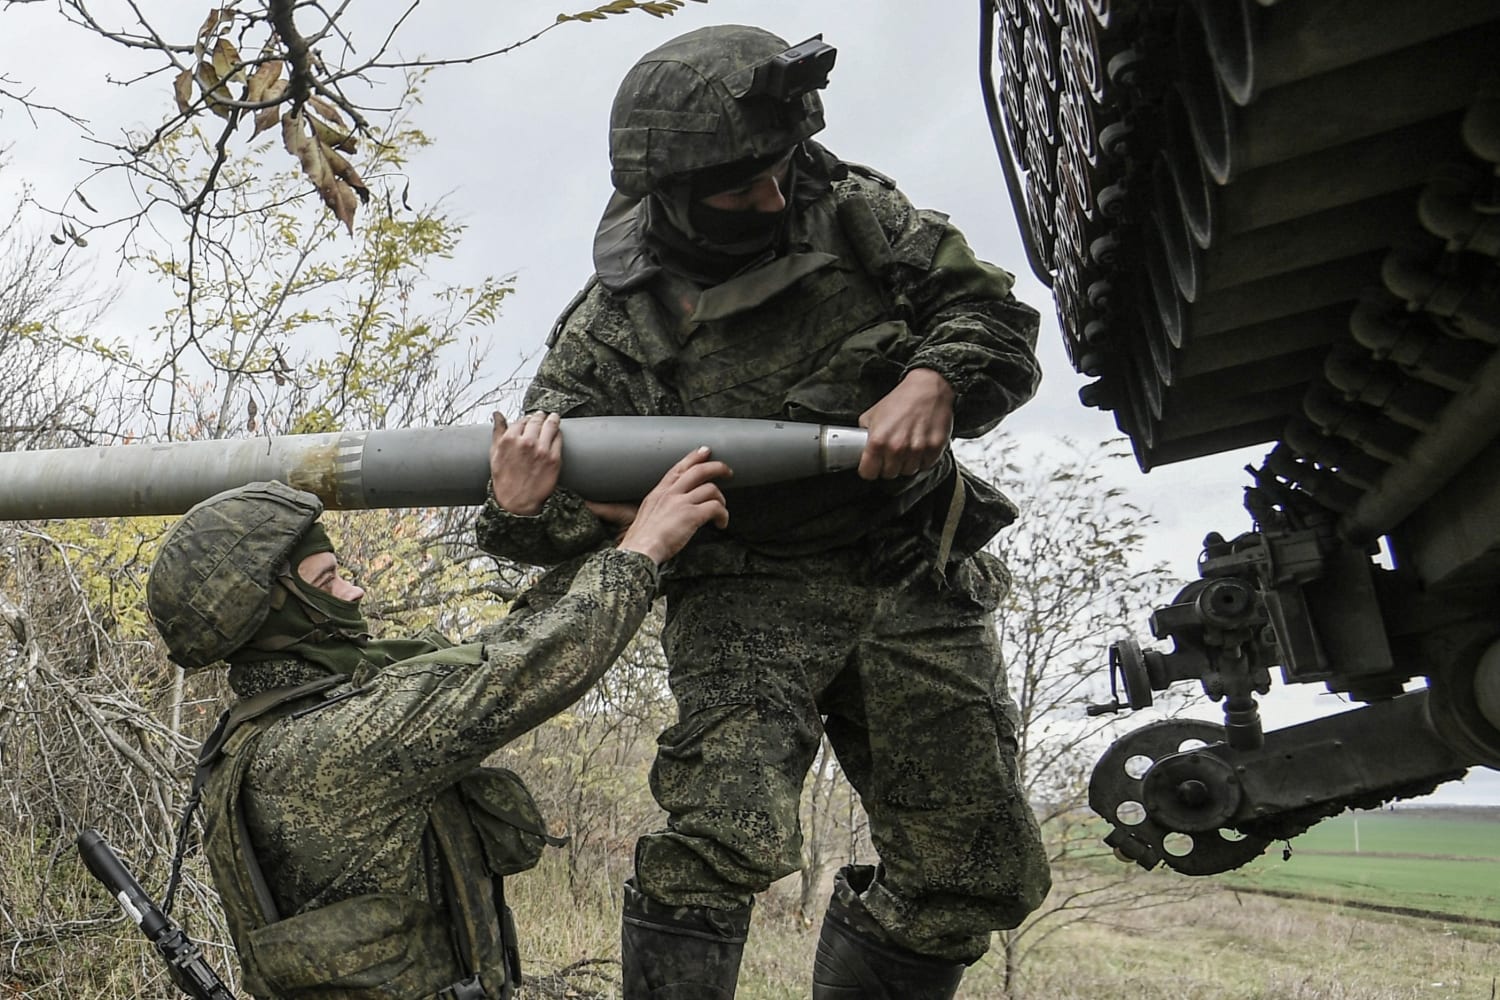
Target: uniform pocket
{"x": 377, "y": 946}
{"x": 511, "y": 829}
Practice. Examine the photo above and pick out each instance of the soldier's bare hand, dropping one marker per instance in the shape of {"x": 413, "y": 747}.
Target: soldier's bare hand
{"x": 685, "y": 500}
{"x": 909, "y": 428}
{"x": 525, "y": 458}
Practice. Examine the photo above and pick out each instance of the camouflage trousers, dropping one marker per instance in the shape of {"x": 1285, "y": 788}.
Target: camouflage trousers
{"x": 907, "y": 681}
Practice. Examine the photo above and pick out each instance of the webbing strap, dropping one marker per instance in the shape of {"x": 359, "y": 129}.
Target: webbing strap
{"x": 258, "y": 884}
{"x": 950, "y": 523}
{"x": 248, "y": 709}
{"x": 479, "y": 935}
{"x": 865, "y": 234}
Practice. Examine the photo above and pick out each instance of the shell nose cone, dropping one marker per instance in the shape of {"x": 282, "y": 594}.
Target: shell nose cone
{"x": 842, "y": 447}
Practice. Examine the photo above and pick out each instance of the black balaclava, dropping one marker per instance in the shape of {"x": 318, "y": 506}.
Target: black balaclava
{"x": 710, "y": 245}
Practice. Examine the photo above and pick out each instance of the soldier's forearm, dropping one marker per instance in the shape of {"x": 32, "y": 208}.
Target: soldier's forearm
{"x": 562, "y": 529}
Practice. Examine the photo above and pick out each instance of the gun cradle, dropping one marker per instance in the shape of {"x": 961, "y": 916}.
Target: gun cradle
{"x": 1204, "y": 798}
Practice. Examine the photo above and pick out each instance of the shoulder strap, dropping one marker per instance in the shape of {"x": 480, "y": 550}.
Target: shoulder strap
{"x": 872, "y": 247}
{"x": 568, "y": 310}
{"x": 870, "y": 173}
{"x": 242, "y": 711}
{"x": 247, "y": 709}
{"x": 269, "y": 911}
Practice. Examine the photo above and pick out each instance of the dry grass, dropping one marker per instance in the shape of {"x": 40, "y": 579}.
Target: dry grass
{"x": 1223, "y": 946}
{"x": 1219, "y": 946}
{"x": 63, "y": 936}
{"x": 558, "y": 931}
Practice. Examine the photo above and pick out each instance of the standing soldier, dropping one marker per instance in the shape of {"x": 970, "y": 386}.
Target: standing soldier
{"x": 742, "y": 270}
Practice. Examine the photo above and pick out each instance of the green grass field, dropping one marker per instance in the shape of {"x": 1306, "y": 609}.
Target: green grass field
{"x": 1459, "y": 833}
{"x": 1444, "y": 861}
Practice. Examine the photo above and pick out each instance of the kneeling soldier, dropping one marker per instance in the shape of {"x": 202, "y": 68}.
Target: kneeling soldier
{"x": 356, "y": 839}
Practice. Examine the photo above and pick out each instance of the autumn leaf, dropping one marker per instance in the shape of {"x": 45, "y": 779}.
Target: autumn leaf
{"x": 215, "y": 93}
{"x": 207, "y": 28}
{"x": 219, "y": 16}
{"x": 326, "y": 108}
{"x": 267, "y": 117}
{"x": 182, "y": 89}
{"x": 227, "y": 62}
{"x": 346, "y": 173}
{"x": 308, "y": 151}
{"x": 261, "y": 81}
{"x": 332, "y": 137}
{"x": 314, "y": 157}
{"x": 346, "y": 203}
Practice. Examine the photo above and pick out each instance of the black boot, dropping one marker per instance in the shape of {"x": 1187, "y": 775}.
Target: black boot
{"x": 852, "y": 964}
{"x": 679, "y": 952}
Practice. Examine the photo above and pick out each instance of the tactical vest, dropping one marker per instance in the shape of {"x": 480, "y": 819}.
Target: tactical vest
{"x": 815, "y": 336}
{"x": 382, "y": 946}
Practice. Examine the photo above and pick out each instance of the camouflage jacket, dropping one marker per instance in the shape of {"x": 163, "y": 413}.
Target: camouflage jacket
{"x": 342, "y": 804}
{"x": 866, "y": 288}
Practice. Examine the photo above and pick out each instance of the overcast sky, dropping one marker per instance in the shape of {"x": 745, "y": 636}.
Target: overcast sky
{"x": 521, "y": 158}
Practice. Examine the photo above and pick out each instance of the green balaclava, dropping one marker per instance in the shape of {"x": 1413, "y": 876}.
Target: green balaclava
{"x": 311, "y": 625}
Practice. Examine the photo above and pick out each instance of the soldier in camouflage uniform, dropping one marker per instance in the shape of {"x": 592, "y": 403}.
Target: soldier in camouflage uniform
{"x": 742, "y": 270}
{"x": 357, "y": 842}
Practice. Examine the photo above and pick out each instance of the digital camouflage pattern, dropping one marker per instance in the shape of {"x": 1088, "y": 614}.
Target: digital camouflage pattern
{"x": 210, "y": 586}
{"x": 823, "y": 597}
{"x": 905, "y": 678}
{"x": 340, "y": 793}
{"x": 679, "y": 109}
{"x": 876, "y": 288}
{"x": 339, "y": 801}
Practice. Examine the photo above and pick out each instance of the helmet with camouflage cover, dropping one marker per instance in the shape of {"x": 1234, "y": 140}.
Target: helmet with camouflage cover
{"x": 211, "y": 585}
{"x": 693, "y": 103}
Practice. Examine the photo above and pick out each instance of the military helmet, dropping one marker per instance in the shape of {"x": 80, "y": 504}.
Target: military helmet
{"x": 212, "y": 583}
{"x": 699, "y": 101}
